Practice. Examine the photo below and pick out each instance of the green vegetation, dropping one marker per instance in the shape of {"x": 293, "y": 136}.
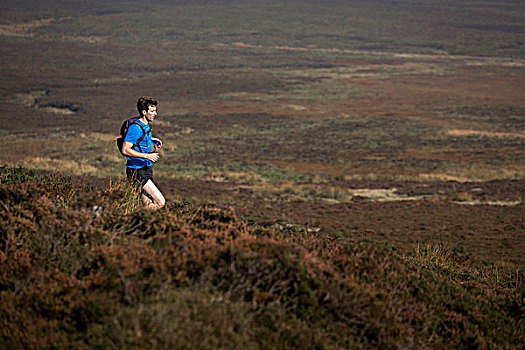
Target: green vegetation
{"x": 83, "y": 273}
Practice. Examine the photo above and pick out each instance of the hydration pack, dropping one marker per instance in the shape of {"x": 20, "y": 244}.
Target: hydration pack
{"x": 124, "y": 130}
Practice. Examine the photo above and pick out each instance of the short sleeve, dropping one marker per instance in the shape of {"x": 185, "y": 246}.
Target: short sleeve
{"x": 134, "y": 133}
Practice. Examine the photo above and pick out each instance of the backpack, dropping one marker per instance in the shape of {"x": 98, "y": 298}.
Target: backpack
{"x": 124, "y": 130}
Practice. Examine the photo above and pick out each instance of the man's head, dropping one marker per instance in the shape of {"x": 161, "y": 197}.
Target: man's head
{"x": 147, "y": 106}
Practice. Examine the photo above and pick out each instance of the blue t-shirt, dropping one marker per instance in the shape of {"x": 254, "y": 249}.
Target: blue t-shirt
{"x": 135, "y": 133}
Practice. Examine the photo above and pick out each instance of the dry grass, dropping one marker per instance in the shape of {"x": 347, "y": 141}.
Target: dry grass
{"x": 443, "y": 177}
{"x": 383, "y": 195}
{"x": 23, "y": 29}
{"x": 65, "y": 166}
{"x": 497, "y": 203}
{"x": 227, "y": 176}
{"x": 253, "y": 96}
{"x": 85, "y": 39}
{"x": 477, "y": 176}
{"x": 290, "y": 191}
{"x": 119, "y": 194}
{"x": 486, "y": 172}
{"x": 59, "y": 150}
{"x": 295, "y": 107}
{"x": 457, "y": 132}
{"x": 437, "y": 54}
{"x": 97, "y": 136}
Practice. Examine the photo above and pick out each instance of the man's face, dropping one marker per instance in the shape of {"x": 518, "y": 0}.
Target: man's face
{"x": 151, "y": 113}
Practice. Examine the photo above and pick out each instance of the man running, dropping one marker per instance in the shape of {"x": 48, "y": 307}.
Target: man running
{"x": 137, "y": 152}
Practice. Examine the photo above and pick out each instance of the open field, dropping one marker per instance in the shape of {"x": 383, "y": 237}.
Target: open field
{"x": 339, "y": 174}
{"x": 361, "y": 116}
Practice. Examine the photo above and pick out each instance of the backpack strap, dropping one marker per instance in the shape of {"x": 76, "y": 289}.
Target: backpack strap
{"x": 133, "y": 121}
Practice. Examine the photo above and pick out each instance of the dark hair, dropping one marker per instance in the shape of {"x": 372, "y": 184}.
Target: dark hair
{"x": 144, "y": 103}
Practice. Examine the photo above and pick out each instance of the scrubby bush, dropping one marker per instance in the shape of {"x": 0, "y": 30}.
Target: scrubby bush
{"x": 92, "y": 272}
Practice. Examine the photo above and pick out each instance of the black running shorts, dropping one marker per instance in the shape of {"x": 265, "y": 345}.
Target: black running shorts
{"x": 139, "y": 176}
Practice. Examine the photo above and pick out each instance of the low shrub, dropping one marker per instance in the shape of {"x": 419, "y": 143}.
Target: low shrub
{"x": 94, "y": 272}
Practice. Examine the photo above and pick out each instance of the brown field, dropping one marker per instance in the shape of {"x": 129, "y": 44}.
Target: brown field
{"x": 403, "y": 144}
{"x": 338, "y": 174}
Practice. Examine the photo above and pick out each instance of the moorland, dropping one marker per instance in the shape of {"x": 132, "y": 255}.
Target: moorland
{"x": 399, "y": 125}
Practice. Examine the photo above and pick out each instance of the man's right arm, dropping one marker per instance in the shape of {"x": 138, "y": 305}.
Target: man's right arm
{"x": 128, "y": 151}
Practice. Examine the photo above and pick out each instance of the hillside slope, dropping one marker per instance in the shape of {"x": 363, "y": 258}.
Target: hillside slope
{"x": 80, "y": 268}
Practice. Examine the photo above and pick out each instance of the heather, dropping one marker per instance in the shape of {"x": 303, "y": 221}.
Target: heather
{"x": 84, "y": 267}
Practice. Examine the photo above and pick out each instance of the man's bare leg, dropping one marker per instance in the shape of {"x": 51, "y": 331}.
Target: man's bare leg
{"x": 154, "y": 199}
